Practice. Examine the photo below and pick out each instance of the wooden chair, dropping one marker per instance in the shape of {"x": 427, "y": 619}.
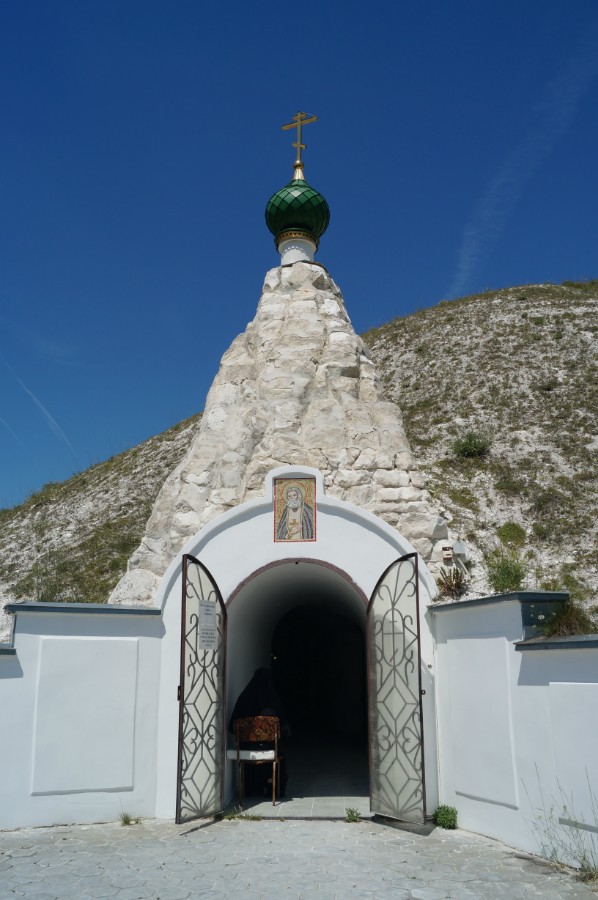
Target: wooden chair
{"x": 256, "y": 730}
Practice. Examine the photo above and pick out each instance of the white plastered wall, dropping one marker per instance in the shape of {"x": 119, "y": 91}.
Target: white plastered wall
{"x": 79, "y": 716}
{"x": 517, "y": 732}
{"x": 236, "y": 548}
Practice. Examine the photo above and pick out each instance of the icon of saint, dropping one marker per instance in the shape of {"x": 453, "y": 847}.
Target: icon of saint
{"x": 296, "y": 522}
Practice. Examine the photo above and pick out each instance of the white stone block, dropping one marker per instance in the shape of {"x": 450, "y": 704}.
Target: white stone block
{"x": 322, "y": 281}
{"x": 271, "y": 280}
{"x": 330, "y": 307}
{"x": 200, "y": 480}
{"x": 415, "y": 524}
{"x": 391, "y": 478}
{"x": 272, "y": 310}
{"x": 423, "y": 546}
{"x": 294, "y": 276}
{"x": 225, "y": 496}
{"x": 342, "y": 457}
{"x": 403, "y": 460}
{"x": 409, "y": 493}
{"x": 300, "y": 306}
{"x": 389, "y": 495}
{"x": 231, "y": 477}
{"x": 373, "y": 458}
{"x": 346, "y": 478}
{"x": 186, "y": 522}
{"x": 339, "y": 337}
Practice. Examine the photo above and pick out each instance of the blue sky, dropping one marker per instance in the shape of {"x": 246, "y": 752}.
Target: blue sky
{"x": 457, "y": 146}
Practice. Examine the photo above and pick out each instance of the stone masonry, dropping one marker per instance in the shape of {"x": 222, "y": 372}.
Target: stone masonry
{"x": 296, "y": 388}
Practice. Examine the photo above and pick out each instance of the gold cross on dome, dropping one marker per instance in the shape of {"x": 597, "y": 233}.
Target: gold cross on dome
{"x": 300, "y": 119}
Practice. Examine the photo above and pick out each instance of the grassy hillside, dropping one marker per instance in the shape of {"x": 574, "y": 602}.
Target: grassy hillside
{"x": 71, "y": 540}
{"x": 499, "y": 393}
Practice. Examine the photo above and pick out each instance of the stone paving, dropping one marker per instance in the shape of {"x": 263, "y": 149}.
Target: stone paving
{"x": 268, "y": 860}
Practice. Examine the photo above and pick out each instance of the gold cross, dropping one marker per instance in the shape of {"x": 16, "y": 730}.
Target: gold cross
{"x": 298, "y": 121}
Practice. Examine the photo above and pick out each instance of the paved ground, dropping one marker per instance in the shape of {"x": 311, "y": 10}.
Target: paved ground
{"x": 318, "y": 785}
{"x": 304, "y": 806}
{"x": 268, "y": 860}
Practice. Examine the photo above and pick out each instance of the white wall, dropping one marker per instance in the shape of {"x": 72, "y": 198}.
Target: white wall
{"x": 517, "y": 729}
{"x": 79, "y": 717}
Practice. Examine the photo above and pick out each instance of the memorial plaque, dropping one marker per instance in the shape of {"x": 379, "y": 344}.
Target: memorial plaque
{"x": 207, "y": 638}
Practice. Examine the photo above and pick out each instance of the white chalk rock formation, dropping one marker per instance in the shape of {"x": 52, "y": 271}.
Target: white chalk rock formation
{"x": 297, "y": 388}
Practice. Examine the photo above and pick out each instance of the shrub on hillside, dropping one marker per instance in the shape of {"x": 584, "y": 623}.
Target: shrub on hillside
{"x": 511, "y": 534}
{"x": 508, "y": 482}
{"x": 472, "y": 445}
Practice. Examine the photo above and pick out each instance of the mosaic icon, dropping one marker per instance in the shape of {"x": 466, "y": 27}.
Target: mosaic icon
{"x": 294, "y": 509}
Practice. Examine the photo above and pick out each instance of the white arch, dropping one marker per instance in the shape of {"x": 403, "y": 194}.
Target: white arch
{"x": 237, "y": 545}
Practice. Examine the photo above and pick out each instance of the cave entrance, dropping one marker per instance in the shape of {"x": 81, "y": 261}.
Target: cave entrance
{"x": 305, "y": 621}
{"x": 319, "y": 670}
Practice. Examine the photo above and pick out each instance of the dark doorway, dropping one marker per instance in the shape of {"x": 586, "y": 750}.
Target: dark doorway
{"x": 319, "y": 667}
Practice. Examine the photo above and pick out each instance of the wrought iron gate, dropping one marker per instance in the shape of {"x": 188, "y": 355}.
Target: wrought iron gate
{"x": 397, "y": 787}
{"x": 202, "y": 728}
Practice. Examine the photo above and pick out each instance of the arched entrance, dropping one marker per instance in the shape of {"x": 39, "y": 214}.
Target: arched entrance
{"x": 311, "y": 614}
{"x": 306, "y": 622}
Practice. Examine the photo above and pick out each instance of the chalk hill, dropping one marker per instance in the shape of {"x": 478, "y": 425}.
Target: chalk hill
{"x": 515, "y": 370}
{"x": 72, "y": 540}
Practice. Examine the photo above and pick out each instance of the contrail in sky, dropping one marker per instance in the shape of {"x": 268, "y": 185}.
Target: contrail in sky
{"x": 54, "y": 426}
{"x": 553, "y": 116}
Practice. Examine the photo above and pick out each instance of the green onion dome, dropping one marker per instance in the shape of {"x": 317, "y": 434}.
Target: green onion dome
{"x": 297, "y": 211}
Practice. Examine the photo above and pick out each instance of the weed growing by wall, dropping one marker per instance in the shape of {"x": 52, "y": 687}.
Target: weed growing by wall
{"x": 451, "y": 582}
{"x": 506, "y": 571}
{"x": 573, "y": 618}
{"x": 446, "y": 816}
{"x": 564, "y": 837}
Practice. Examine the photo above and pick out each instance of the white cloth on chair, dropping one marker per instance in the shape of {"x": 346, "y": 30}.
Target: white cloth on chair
{"x": 251, "y": 754}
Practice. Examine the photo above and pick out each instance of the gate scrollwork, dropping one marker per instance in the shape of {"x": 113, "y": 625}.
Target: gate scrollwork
{"x": 395, "y": 722}
{"x": 202, "y": 730}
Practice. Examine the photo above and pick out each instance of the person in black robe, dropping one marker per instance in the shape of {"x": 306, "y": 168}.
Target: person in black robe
{"x": 260, "y": 698}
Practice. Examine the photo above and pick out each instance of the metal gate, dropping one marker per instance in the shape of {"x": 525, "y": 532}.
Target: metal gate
{"x": 202, "y": 728}
{"x": 397, "y": 787}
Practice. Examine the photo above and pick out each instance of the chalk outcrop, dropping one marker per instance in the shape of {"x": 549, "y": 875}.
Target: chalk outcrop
{"x": 296, "y": 388}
